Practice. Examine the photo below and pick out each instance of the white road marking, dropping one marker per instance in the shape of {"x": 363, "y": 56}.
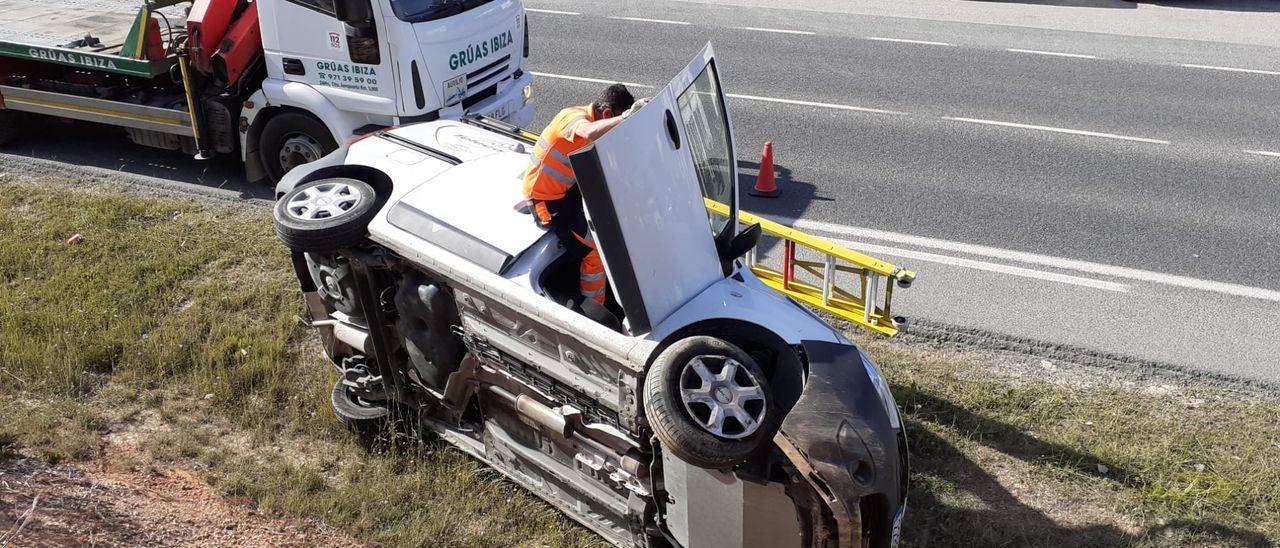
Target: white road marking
{"x": 783, "y": 31}
{"x": 1057, "y": 130}
{"x": 905, "y": 41}
{"x": 1053, "y": 53}
{"x": 556, "y": 12}
{"x": 1232, "y": 69}
{"x": 810, "y": 103}
{"x": 585, "y": 79}
{"x": 1042, "y": 260}
{"x": 984, "y": 265}
{"x": 1264, "y": 153}
{"x": 731, "y": 95}
{"x": 643, "y": 20}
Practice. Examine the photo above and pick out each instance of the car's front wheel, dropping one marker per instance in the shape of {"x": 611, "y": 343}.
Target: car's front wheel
{"x": 326, "y": 215}
{"x": 709, "y": 403}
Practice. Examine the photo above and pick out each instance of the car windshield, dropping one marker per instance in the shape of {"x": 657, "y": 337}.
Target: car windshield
{"x": 416, "y": 11}
{"x": 707, "y": 128}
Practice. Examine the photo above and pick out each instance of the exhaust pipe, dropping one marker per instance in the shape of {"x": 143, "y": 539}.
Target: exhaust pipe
{"x": 562, "y": 420}
{"x": 348, "y": 334}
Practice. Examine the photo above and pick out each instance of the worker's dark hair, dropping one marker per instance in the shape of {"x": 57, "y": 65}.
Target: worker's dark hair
{"x": 616, "y": 97}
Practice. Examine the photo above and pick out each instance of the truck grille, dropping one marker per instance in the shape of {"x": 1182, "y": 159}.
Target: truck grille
{"x": 484, "y": 76}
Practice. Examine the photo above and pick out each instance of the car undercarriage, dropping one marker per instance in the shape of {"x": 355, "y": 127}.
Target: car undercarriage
{"x": 417, "y": 360}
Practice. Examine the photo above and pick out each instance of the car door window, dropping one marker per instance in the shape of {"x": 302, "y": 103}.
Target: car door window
{"x": 703, "y": 115}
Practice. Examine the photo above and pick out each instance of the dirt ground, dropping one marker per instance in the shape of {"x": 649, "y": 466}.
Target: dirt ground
{"x": 96, "y": 504}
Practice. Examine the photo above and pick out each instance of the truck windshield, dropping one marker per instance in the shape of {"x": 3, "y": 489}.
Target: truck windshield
{"x": 416, "y": 11}
{"x": 708, "y": 130}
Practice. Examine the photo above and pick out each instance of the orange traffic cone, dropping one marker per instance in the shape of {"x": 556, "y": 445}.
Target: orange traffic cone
{"x": 766, "y": 187}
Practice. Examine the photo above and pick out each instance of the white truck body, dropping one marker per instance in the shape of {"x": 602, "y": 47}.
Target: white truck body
{"x": 434, "y": 59}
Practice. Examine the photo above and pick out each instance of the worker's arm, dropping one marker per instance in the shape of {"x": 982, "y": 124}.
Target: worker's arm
{"x": 594, "y": 130}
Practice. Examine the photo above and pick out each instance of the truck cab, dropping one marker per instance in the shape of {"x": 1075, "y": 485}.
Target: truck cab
{"x": 363, "y": 64}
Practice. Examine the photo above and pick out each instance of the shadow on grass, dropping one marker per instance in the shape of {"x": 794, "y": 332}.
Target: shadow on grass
{"x": 1001, "y": 518}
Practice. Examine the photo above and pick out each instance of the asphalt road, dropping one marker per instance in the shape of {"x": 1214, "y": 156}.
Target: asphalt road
{"x": 1071, "y": 185}
{"x": 1088, "y": 174}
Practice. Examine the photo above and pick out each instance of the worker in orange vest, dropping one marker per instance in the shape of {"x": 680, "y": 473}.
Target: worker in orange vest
{"x": 552, "y": 188}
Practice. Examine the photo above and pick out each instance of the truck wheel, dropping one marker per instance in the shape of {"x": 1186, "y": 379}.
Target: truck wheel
{"x": 367, "y": 420}
{"x": 9, "y": 121}
{"x": 326, "y": 215}
{"x": 290, "y": 140}
{"x": 709, "y": 403}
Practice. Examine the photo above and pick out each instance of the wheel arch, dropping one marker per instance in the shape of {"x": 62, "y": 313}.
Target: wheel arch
{"x": 376, "y": 178}
{"x": 253, "y": 135}
{"x": 782, "y": 363}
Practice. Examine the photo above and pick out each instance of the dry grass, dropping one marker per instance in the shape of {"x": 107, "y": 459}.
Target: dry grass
{"x": 170, "y": 336}
{"x": 1001, "y": 462}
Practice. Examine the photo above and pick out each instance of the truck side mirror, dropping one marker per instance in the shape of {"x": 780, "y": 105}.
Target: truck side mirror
{"x": 352, "y": 11}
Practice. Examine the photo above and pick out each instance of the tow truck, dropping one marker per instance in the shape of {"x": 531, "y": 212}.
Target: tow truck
{"x": 279, "y": 82}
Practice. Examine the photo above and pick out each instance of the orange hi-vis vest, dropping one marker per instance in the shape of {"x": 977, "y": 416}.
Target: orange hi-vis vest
{"x": 549, "y": 175}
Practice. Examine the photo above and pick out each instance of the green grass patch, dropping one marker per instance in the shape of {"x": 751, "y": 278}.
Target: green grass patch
{"x": 1181, "y": 467}
{"x": 188, "y": 312}
{"x": 175, "y": 322}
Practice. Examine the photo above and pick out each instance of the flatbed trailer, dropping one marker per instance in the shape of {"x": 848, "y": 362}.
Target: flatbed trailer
{"x": 98, "y": 36}
{"x": 82, "y": 33}
{"x": 279, "y": 82}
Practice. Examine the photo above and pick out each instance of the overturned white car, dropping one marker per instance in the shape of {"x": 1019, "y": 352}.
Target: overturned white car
{"x": 713, "y": 412}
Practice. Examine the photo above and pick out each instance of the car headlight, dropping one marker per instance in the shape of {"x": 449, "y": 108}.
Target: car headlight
{"x": 527, "y": 93}
{"x": 882, "y": 387}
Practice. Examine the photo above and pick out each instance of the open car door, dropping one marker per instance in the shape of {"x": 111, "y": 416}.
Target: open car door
{"x": 644, "y": 184}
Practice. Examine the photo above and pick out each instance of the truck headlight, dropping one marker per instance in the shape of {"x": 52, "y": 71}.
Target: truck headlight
{"x": 527, "y": 93}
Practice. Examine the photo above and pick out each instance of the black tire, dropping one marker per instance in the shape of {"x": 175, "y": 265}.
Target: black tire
{"x": 368, "y": 421}
{"x": 309, "y": 229}
{"x": 307, "y": 138}
{"x": 674, "y": 422}
{"x": 9, "y": 122}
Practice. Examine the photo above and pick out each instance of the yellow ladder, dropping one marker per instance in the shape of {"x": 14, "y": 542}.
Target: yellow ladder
{"x": 867, "y": 307}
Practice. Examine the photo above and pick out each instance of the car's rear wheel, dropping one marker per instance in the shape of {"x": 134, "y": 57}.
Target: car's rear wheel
{"x": 369, "y": 421}
{"x": 326, "y": 215}
{"x": 709, "y": 403}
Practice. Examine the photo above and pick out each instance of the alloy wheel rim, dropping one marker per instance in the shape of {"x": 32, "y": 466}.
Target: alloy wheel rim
{"x": 323, "y": 201}
{"x": 723, "y": 397}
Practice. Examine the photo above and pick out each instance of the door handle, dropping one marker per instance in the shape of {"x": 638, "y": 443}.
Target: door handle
{"x": 673, "y": 132}
{"x": 294, "y": 66}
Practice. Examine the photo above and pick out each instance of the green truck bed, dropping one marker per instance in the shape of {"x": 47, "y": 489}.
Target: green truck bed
{"x": 80, "y": 33}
